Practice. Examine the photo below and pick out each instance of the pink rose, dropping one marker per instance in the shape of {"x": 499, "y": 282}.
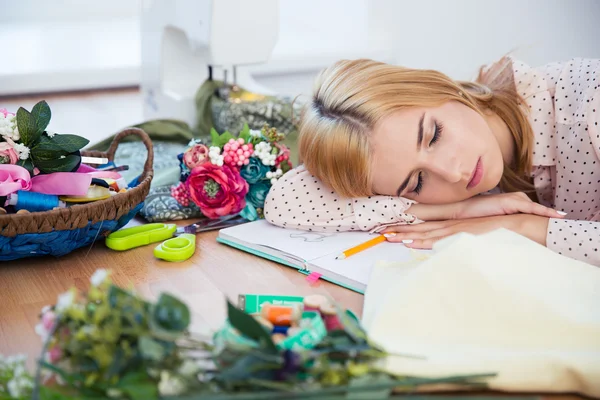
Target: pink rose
{"x": 218, "y": 191}
{"x": 195, "y": 156}
{"x": 6, "y": 150}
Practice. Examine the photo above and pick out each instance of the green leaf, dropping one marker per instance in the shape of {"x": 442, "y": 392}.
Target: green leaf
{"x": 69, "y": 143}
{"x": 151, "y": 349}
{"x": 67, "y": 164}
{"x": 249, "y": 327}
{"x": 245, "y": 133}
{"x": 41, "y": 115}
{"x": 47, "y": 149}
{"x": 139, "y": 386}
{"x": 27, "y": 127}
{"x": 171, "y": 314}
{"x": 224, "y": 138}
{"x": 27, "y": 164}
{"x": 214, "y": 137}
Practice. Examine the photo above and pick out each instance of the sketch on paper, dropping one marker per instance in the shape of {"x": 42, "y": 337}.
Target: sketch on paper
{"x": 311, "y": 237}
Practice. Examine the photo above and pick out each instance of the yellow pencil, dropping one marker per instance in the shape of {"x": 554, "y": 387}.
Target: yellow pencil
{"x": 361, "y": 247}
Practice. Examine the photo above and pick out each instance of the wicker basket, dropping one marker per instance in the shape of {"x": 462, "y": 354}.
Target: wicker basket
{"x": 60, "y": 231}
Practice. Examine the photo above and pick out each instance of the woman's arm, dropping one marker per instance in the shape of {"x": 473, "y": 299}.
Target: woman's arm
{"x": 299, "y": 200}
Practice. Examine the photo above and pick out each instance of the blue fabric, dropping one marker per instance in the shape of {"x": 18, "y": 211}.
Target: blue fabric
{"x": 59, "y": 243}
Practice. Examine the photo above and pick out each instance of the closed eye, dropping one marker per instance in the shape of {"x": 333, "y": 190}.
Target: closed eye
{"x": 437, "y": 134}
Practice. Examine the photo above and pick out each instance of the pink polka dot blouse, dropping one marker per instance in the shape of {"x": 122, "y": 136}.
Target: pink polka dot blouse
{"x": 564, "y": 104}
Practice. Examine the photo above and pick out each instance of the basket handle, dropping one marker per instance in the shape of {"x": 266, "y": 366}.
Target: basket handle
{"x": 148, "y": 166}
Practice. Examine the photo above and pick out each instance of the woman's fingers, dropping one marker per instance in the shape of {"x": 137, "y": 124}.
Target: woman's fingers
{"x": 421, "y": 243}
{"x": 543, "y": 211}
{"x": 425, "y": 226}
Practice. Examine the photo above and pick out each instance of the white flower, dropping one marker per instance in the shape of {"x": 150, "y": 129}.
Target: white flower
{"x": 189, "y": 368}
{"x": 99, "y": 277}
{"x": 255, "y": 133}
{"x": 214, "y": 153}
{"x": 273, "y": 181}
{"x": 114, "y": 393}
{"x": 50, "y": 134}
{"x": 170, "y": 385}
{"x": 65, "y": 301}
{"x": 22, "y": 150}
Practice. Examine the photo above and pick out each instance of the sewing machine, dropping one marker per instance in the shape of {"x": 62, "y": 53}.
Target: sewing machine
{"x": 185, "y": 42}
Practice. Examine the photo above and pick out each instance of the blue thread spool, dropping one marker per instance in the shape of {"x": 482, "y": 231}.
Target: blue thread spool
{"x": 32, "y": 201}
{"x": 280, "y": 329}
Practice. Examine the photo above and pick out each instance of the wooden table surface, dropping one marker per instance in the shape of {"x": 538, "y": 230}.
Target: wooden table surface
{"x": 214, "y": 272}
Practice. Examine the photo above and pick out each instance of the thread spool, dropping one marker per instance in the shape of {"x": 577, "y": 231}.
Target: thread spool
{"x": 314, "y": 302}
{"x": 281, "y": 329}
{"x": 32, "y": 201}
{"x": 330, "y": 317}
{"x": 281, "y": 315}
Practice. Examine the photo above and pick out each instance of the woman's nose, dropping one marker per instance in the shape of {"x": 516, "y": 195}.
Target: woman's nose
{"x": 448, "y": 167}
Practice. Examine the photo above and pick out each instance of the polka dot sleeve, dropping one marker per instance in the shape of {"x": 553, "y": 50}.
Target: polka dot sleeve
{"x": 576, "y": 239}
{"x": 299, "y": 200}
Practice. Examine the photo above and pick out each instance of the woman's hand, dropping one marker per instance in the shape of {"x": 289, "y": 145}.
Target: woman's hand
{"x": 423, "y": 236}
{"x": 484, "y": 206}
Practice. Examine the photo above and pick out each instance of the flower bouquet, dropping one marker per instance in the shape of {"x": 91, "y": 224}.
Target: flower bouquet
{"x": 24, "y": 141}
{"x": 109, "y": 342}
{"x": 234, "y": 174}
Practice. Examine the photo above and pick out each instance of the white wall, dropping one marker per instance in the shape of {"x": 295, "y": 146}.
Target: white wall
{"x": 458, "y": 36}
{"x": 78, "y": 44}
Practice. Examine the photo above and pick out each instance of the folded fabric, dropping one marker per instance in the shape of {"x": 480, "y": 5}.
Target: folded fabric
{"x": 495, "y": 303}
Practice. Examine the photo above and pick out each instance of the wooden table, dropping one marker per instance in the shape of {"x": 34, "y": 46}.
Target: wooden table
{"x": 215, "y": 272}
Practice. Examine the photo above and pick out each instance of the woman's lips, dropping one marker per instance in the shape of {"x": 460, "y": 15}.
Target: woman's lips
{"x": 477, "y": 175}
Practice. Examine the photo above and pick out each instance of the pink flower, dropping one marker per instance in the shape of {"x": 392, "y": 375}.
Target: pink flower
{"x": 218, "y": 191}
{"x": 6, "y": 150}
{"x": 54, "y": 354}
{"x": 181, "y": 194}
{"x": 5, "y": 112}
{"x": 195, "y": 156}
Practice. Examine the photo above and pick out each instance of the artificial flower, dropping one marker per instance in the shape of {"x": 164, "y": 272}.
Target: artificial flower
{"x": 249, "y": 212}
{"x": 214, "y": 153}
{"x": 217, "y": 190}
{"x": 8, "y": 125}
{"x": 257, "y": 194}
{"x": 195, "y": 156}
{"x": 21, "y": 149}
{"x": 99, "y": 277}
{"x": 46, "y": 324}
{"x": 170, "y": 384}
{"x": 181, "y": 194}
{"x": 254, "y": 171}
{"x": 8, "y": 155}
{"x": 65, "y": 301}
{"x": 263, "y": 151}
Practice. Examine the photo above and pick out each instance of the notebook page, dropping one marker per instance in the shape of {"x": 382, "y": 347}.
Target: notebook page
{"x": 301, "y": 244}
{"x": 356, "y": 270}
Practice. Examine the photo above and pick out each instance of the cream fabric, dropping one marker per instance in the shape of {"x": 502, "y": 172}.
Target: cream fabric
{"x": 491, "y": 303}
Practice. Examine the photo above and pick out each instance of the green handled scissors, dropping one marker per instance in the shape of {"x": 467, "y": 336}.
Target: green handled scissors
{"x": 177, "y": 248}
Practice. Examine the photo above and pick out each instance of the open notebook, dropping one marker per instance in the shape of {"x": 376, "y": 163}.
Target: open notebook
{"x": 315, "y": 251}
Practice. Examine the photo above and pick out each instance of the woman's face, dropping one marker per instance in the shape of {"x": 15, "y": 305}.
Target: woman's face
{"x": 435, "y": 155}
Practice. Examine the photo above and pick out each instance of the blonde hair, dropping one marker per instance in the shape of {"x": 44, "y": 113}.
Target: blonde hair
{"x": 350, "y": 97}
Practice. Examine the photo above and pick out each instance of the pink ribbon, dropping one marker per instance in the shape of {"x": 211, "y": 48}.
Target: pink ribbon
{"x": 14, "y": 178}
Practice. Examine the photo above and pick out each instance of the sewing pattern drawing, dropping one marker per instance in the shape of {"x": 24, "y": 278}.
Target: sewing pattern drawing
{"x": 311, "y": 237}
